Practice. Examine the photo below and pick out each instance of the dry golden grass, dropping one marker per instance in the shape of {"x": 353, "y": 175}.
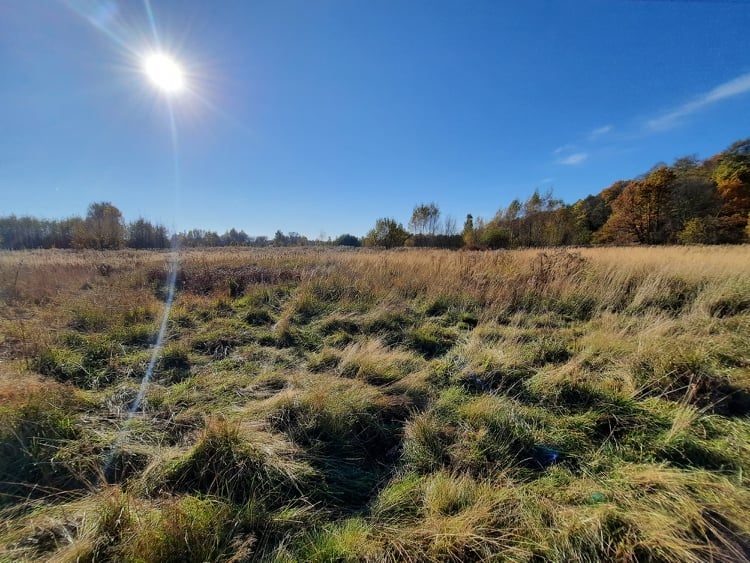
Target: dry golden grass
{"x": 544, "y": 404}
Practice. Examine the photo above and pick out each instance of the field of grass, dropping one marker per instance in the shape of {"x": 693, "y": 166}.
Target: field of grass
{"x": 309, "y": 405}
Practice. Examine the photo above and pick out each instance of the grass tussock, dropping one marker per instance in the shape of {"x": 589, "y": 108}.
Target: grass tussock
{"x": 37, "y": 420}
{"x": 238, "y": 464}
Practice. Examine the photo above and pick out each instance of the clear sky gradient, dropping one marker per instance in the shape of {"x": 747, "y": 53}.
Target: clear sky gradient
{"x": 322, "y": 115}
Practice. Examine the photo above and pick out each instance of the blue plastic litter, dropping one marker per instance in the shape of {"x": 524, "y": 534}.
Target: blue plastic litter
{"x": 547, "y": 456}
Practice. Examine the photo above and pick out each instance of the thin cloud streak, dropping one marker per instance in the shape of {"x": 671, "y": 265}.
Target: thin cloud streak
{"x": 730, "y": 89}
{"x": 599, "y": 131}
{"x": 573, "y": 159}
{"x": 562, "y": 149}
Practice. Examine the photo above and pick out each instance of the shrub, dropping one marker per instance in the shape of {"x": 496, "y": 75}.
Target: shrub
{"x": 493, "y": 236}
{"x": 347, "y": 240}
{"x": 699, "y": 230}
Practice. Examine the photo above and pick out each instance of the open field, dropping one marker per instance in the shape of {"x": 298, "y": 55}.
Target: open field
{"x": 323, "y": 405}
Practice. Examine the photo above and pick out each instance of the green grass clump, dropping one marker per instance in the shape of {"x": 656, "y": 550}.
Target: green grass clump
{"x": 89, "y": 362}
{"x": 431, "y": 340}
{"x": 89, "y": 319}
{"x": 138, "y": 315}
{"x": 692, "y": 439}
{"x": 263, "y": 296}
{"x": 730, "y": 299}
{"x": 36, "y": 421}
{"x": 350, "y": 429}
{"x": 337, "y": 415}
{"x": 666, "y": 294}
{"x": 189, "y": 529}
{"x": 220, "y": 338}
{"x": 376, "y": 364}
{"x": 545, "y": 350}
{"x": 426, "y": 443}
{"x": 452, "y": 518}
{"x": 239, "y": 466}
{"x": 351, "y": 540}
{"x": 61, "y": 364}
{"x": 256, "y": 316}
{"x": 141, "y": 334}
{"x": 486, "y": 434}
{"x": 687, "y": 370}
{"x": 325, "y": 360}
{"x": 389, "y": 325}
{"x": 400, "y": 500}
{"x": 336, "y": 323}
{"x": 569, "y": 306}
{"x": 174, "y": 363}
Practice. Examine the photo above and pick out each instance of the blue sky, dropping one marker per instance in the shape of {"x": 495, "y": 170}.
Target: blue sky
{"x": 322, "y": 115}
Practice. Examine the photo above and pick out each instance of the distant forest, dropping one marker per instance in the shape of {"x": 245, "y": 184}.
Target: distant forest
{"x": 690, "y": 202}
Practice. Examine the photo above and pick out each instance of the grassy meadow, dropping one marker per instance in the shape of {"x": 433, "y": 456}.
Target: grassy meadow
{"x": 321, "y": 405}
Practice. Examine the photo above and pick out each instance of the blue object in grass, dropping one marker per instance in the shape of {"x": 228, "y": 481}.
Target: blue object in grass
{"x": 546, "y": 456}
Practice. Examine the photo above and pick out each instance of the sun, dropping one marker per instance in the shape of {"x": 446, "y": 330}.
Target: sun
{"x": 164, "y": 72}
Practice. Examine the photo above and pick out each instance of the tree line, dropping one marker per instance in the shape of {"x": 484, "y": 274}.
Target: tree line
{"x": 104, "y": 228}
{"x": 691, "y": 201}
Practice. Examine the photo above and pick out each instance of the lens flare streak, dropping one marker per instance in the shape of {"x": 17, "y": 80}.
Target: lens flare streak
{"x": 165, "y": 74}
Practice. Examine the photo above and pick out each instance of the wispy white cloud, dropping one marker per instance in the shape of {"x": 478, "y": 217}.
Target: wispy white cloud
{"x": 730, "y": 89}
{"x": 573, "y": 159}
{"x": 562, "y": 149}
{"x": 599, "y": 131}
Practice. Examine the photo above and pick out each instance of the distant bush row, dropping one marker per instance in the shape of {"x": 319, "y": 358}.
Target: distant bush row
{"x": 689, "y": 202}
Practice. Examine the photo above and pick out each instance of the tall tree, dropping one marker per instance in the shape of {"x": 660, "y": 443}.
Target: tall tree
{"x": 144, "y": 234}
{"x": 425, "y": 219}
{"x": 388, "y": 233}
{"x": 732, "y": 176}
{"x": 103, "y": 228}
{"x": 641, "y": 213}
{"x": 469, "y": 235}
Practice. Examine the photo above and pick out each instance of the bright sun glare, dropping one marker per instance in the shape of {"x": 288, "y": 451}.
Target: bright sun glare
{"x": 164, "y": 72}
